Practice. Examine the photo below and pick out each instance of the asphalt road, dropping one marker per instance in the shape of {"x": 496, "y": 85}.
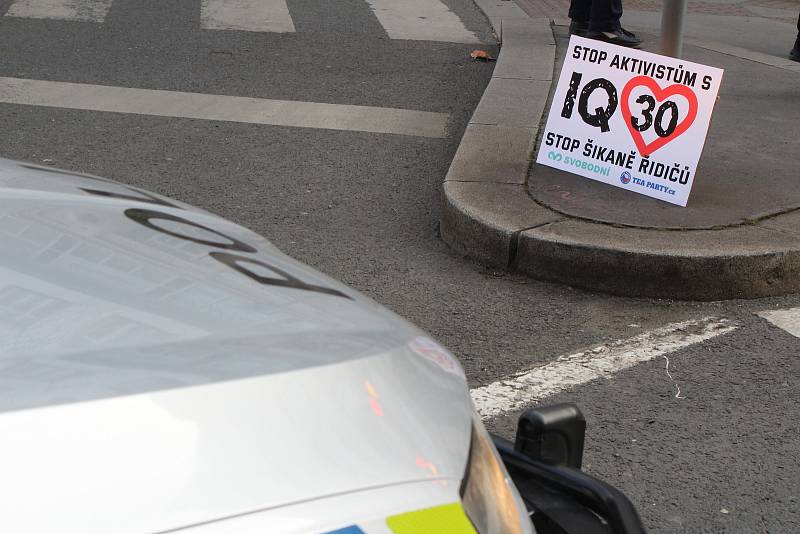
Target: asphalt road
{"x": 363, "y": 207}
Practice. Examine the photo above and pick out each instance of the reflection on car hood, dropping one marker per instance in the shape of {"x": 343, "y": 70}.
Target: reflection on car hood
{"x": 160, "y": 367}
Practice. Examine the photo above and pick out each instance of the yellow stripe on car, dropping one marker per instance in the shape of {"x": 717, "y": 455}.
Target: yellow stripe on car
{"x": 446, "y": 519}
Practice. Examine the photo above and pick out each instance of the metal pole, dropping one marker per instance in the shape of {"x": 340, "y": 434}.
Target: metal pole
{"x": 672, "y": 27}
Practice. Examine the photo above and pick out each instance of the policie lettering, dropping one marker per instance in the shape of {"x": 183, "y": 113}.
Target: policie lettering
{"x": 600, "y": 116}
{"x": 241, "y": 264}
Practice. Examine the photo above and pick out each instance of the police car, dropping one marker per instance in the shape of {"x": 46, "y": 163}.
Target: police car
{"x": 165, "y": 370}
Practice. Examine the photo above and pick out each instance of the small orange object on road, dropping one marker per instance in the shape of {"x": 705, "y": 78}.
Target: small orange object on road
{"x": 481, "y": 55}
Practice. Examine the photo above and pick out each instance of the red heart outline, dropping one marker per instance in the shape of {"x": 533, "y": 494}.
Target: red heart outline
{"x": 660, "y": 95}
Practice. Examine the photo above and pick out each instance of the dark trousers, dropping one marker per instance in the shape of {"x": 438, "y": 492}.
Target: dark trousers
{"x": 796, "y": 47}
{"x": 797, "y": 41}
{"x": 602, "y": 15}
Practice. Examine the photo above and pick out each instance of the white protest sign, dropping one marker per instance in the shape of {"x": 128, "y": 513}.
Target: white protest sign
{"x": 629, "y": 118}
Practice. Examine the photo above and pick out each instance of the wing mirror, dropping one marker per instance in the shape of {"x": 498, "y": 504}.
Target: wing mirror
{"x": 553, "y": 435}
{"x": 544, "y": 462}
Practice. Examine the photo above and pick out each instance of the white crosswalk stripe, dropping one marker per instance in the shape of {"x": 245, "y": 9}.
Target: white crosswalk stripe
{"x": 246, "y": 15}
{"x": 603, "y": 362}
{"x": 788, "y": 320}
{"x": 78, "y": 10}
{"x": 222, "y": 108}
{"x": 419, "y": 20}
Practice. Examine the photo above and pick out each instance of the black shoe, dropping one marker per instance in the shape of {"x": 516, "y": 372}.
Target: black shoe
{"x": 794, "y": 55}
{"x": 619, "y": 37}
{"x": 578, "y": 27}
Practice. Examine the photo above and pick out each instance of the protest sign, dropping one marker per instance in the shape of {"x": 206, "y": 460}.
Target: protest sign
{"x": 630, "y": 118}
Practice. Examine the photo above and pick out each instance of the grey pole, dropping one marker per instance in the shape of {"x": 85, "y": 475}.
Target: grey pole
{"x": 672, "y": 27}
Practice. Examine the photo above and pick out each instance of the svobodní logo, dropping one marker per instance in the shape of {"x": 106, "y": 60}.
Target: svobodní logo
{"x": 625, "y": 178}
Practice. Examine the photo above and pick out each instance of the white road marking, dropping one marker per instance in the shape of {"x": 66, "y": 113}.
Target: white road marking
{"x": 788, "y": 320}
{"x": 421, "y": 20}
{"x": 569, "y": 371}
{"x": 222, "y": 108}
{"x": 246, "y": 15}
{"x": 79, "y": 10}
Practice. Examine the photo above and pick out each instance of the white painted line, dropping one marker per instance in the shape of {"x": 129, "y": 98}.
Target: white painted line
{"x": 788, "y": 320}
{"x": 421, "y": 20}
{"x": 222, "y": 108}
{"x": 573, "y": 370}
{"x": 246, "y": 15}
{"x": 78, "y": 10}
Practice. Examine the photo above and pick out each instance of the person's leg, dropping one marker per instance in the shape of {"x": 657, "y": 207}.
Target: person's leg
{"x": 605, "y": 15}
{"x": 579, "y": 11}
{"x": 604, "y": 24}
{"x": 795, "y": 53}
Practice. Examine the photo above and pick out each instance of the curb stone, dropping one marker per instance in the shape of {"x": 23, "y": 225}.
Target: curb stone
{"x": 486, "y": 204}
{"x": 488, "y": 215}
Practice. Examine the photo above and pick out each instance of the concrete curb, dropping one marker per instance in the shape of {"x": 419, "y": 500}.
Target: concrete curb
{"x": 487, "y": 213}
{"x": 485, "y": 203}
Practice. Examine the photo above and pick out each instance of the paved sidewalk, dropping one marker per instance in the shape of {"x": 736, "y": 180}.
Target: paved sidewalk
{"x": 779, "y": 10}
{"x": 739, "y": 236}
{"x": 767, "y": 26}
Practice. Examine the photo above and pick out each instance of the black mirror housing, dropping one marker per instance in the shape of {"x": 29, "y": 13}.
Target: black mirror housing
{"x": 562, "y": 500}
{"x": 553, "y": 435}
{"x": 544, "y": 463}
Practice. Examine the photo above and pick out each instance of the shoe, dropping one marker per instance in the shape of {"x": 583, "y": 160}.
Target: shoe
{"x": 578, "y": 27}
{"x": 621, "y": 37}
{"x": 794, "y": 55}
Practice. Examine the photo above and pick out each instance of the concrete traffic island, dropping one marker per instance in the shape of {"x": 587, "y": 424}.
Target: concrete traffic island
{"x": 739, "y": 236}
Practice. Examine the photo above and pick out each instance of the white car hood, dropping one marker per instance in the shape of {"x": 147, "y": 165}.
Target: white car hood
{"x": 161, "y": 367}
